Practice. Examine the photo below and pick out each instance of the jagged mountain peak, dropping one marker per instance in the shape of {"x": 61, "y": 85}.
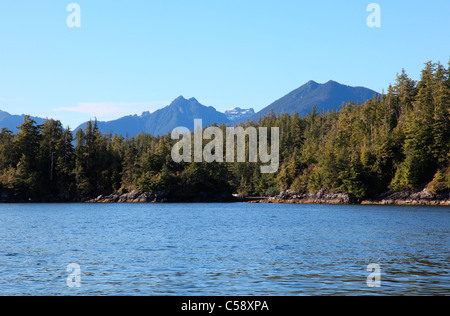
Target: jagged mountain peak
{"x": 180, "y": 112}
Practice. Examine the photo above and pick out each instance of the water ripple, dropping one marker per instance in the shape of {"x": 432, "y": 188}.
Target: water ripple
{"x": 223, "y": 249}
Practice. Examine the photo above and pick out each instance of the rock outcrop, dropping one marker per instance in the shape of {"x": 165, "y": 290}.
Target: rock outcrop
{"x": 423, "y": 197}
{"x": 161, "y": 197}
{"x": 324, "y": 196}
{"x": 321, "y": 197}
{"x": 131, "y": 197}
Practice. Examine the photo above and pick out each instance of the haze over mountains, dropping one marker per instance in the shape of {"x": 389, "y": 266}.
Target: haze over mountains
{"x": 182, "y": 112}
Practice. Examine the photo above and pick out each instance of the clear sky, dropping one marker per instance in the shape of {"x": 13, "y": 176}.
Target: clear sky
{"x": 136, "y": 55}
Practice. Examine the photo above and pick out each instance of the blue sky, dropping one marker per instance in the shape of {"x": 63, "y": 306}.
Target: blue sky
{"x": 136, "y": 55}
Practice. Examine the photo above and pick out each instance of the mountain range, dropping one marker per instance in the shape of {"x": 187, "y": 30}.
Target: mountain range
{"x": 182, "y": 112}
{"x": 326, "y": 97}
{"x": 13, "y": 121}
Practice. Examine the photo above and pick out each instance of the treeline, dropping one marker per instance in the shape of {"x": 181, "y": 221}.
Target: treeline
{"x": 396, "y": 141}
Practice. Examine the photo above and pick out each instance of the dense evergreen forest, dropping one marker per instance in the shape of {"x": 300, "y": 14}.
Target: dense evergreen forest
{"x": 399, "y": 141}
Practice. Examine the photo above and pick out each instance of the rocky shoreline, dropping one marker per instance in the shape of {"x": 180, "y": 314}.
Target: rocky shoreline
{"x": 423, "y": 198}
{"x": 126, "y": 197}
{"x": 132, "y": 197}
{"x": 162, "y": 197}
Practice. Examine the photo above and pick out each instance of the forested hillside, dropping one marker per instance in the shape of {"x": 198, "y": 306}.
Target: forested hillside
{"x": 399, "y": 141}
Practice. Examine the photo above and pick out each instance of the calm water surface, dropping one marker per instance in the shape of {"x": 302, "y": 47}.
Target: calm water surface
{"x": 223, "y": 249}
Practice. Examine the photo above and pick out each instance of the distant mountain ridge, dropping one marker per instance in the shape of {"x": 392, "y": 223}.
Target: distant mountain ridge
{"x": 12, "y": 122}
{"x": 326, "y": 97}
{"x": 182, "y": 112}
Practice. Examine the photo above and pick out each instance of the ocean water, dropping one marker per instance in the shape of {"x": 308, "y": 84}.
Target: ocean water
{"x": 222, "y": 249}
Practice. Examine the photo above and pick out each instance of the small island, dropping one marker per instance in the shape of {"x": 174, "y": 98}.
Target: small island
{"x": 391, "y": 149}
